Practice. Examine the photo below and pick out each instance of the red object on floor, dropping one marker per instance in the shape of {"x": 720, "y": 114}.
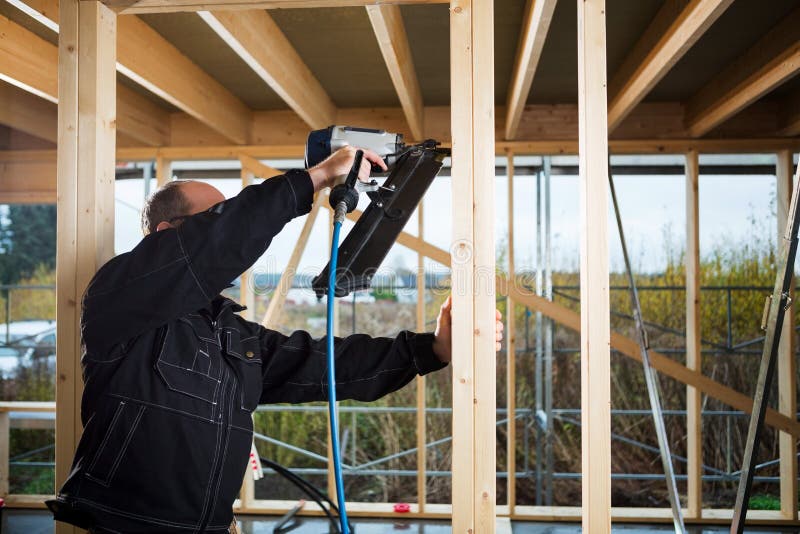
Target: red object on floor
{"x": 402, "y": 508}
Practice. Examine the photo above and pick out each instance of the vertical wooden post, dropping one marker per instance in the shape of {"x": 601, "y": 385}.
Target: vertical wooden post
{"x": 694, "y": 359}
{"x": 331, "y": 478}
{"x": 511, "y": 354}
{"x": 86, "y": 127}
{"x": 595, "y": 316}
{"x": 5, "y": 436}
{"x": 163, "y": 170}
{"x": 473, "y": 264}
{"x": 246, "y": 294}
{"x": 422, "y": 451}
{"x": 787, "y": 382}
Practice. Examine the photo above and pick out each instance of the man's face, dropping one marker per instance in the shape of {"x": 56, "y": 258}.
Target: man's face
{"x": 200, "y": 197}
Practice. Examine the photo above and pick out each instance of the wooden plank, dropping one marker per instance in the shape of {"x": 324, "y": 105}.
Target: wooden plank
{"x": 387, "y": 22}
{"x": 275, "y": 306}
{"x": 5, "y": 438}
{"x": 87, "y": 81}
{"x": 675, "y": 29}
{"x": 28, "y": 182}
{"x": 511, "y": 355}
{"x": 45, "y": 12}
{"x": 538, "y": 15}
{"x": 257, "y": 168}
{"x": 422, "y": 401}
{"x": 694, "y": 423}
{"x": 28, "y": 113}
{"x": 786, "y": 371}
{"x": 163, "y": 170}
{"x": 789, "y": 119}
{"x": 28, "y": 61}
{"x": 142, "y": 119}
{"x": 257, "y": 39}
{"x": 462, "y": 269}
{"x": 771, "y": 61}
{"x": 171, "y": 6}
{"x": 483, "y": 291}
{"x": 179, "y": 81}
{"x": 595, "y": 322}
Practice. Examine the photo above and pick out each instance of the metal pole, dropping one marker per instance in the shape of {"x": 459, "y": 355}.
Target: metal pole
{"x": 539, "y": 394}
{"x": 776, "y": 310}
{"x": 651, "y": 379}
{"x": 548, "y": 337}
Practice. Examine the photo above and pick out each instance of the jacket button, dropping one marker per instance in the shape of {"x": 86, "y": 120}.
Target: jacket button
{"x": 249, "y": 353}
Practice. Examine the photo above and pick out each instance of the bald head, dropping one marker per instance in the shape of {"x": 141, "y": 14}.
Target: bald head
{"x": 174, "y": 201}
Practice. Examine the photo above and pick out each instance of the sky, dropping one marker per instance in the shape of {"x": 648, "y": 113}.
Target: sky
{"x": 652, "y": 207}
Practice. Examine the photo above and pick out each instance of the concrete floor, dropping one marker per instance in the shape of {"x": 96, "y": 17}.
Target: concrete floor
{"x": 41, "y": 522}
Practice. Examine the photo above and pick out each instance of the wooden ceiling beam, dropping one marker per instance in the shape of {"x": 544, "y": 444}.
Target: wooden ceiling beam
{"x": 387, "y": 22}
{"x": 147, "y": 58}
{"x": 30, "y": 63}
{"x": 27, "y": 61}
{"x": 673, "y": 31}
{"x": 172, "y": 6}
{"x": 28, "y": 113}
{"x": 257, "y": 39}
{"x": 174, "y": 78}
{"x": 774, "y": 59}
{"x": 789, "y": 116}
{"x": 538, "y": 16}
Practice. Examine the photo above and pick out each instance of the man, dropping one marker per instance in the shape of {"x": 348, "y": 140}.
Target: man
{"x": 172, "y": 374}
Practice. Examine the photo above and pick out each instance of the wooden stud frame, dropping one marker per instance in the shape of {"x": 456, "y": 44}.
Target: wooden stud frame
{"x": 694, "y": 361}
{"x": 473, "y": 263}
{"x": 422, "y": 402}
{"x": 86, "y": 163}
{"x": 595, "y": 326}
{"x": 87, "y": 107}
{"x": 787, "y": 382}
{"x": 511, "y": 353}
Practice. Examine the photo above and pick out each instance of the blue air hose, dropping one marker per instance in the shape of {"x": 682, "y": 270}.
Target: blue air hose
{"x": 337, "y": 460}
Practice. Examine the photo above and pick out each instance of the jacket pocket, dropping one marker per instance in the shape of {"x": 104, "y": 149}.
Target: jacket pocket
{"x": 115, "y": 442}
{"x": 244, "y": 356}
{"x": 184, "y": 367}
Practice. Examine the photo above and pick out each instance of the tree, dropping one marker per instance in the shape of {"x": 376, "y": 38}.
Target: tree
{"x": 27, "y": 241}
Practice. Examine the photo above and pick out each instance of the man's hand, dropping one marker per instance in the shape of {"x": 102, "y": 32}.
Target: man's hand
{"x": 339, "y": 164}
{"x": 443, "y": 337}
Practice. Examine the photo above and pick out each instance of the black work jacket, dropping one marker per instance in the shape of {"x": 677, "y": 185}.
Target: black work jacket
{"x": 172, "y": 374}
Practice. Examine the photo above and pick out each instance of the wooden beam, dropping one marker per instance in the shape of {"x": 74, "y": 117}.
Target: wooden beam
{"x": 511, "y": 354}
{"x": 258, "y": 169}
{"x": 28, "y": 182}
{"x": 163, "y": 170}
{"x": 694, "y": 355}
{"x": 29, "y": 62}
{"x": 675, "y": 29}
{"x": 28, "y": 113}
{"x": 789, "y": 119}
{"x": 171, "y": 6}
{"x": 275, "y": 306}
{"x": 86, "y": 162}
{"x": 771, "y": 61}
{"x": 474, "y": 358}
{"x": 142, "y": 119}
{"x": 538, "y": 16}
{"x": 595, "y": 322}
{"x": 787, "y": 381}
{"x": 179, "y": 81}
{"x": 257, "y": 39}
{"x": 387, "y": 22}
{"x": 5, "y": 440}
{"x": 422, "y": 401}
{"x": 45, "y": 12}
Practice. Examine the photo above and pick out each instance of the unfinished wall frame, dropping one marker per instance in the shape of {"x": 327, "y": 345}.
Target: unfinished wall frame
{"x": 87, "y": 84}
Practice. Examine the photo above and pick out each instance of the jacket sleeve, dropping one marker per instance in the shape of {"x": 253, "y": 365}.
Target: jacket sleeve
{"x": 367, "y": 368}
{"x": 175, "y": 271}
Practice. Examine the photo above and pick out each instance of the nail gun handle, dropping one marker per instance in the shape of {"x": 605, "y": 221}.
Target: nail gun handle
{"x": 352, "y": 177}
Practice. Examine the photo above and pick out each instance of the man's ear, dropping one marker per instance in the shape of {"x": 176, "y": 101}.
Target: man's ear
{"x": 163, "y": 225}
